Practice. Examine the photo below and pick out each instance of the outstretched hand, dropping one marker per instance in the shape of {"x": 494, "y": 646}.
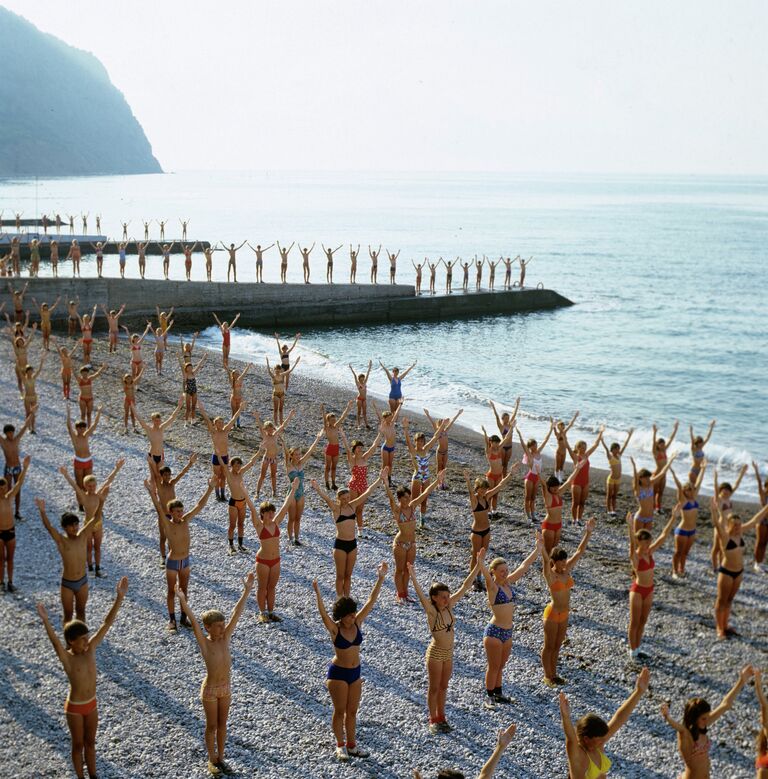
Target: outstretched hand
{"x": 505, "y": 736}
{"x": 644, "y": 677}
{"x": 248, "y": 582}
{"x": 382, "y": 569}
{"x": 122, "y": 587}
{"x": 42, "y": 611}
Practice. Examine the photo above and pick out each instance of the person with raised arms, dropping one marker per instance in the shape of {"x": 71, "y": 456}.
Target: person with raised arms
{"x": 357, "y": 459}
{"x": 269, "y": 437}
{"x": 557, "y": 569}
{"x": 45, "y": 311}
{"x": 374, "y": 262}
{"x": 465, "y": 276}
{"x": 660, "y": 450}
{"x": 331, "y": 427}
{"x": 8, "y": 492}
{"x": 184, "y": 224}
{"x": 642, "y": 545}
{"x": 585, "y": 741}
{"x": 329, "y": 262}
{"x": 613, "y": 481}
{"x": 361, "y": 385}
{"x": 438, "y": 608}
{"x": 729, "y": 530}
{"x": 9, "y": 442}
{"x": 130, "y": 383}
{"x": 188, "y": 249}
{"x": 643, "y": 488}
{"x": 29, "y": 383}
{"x": 493, "y": 447}
{"x": 284, "y": 260}
{"x": 284, "y": 352}
{"x": 72, "y": 545}
{"x": 441, "y": 428}
{"x": 523, "y": 269}
{"x": 226, "y": 337}
{"x": 78, "y": 658}
{"x": 432, "y": 275}
{"x": 687, "y": 497}
{"x": 532, "y": 458}
{"x": 345, "y": 545}
{"x": 580, "y": 485}
{"x": 219, "y": 432}
{"x": 141, "y": 256}
{"x": 502, "y": 599}
{"x": 236, "y": 387}
{"x": 508, "y": 263}
{"x": 177, "y": 564}
{"x": 294, "y": 468}
{"x": 267, "y": 525}
{"x": 85, "y": 381}
{"x": 387, "y": 422}
{"x": 449, "y": 275}
{"x": 86, "y": 332}
{"x": 418, "y": 268}
{"x": 80, "y": 435}
{"x": 189, "y": 386}
{"x": 353, "y": 263}
{"x": 505, "y": 423}
{"x": 762, "y": 530}
{"x": 724, "y": 492}
{"x": 216, "y": 690}
{"x": 238, "y": 498}
{"x": 156, "y": 433}
{"x": 343, "y": 677}
{"x": 232, "y": 264}
{"x": 552, "y": 493}
{"x": 761, "y": 742}
{"x": 113, "y": 325}
{"x": 161, "y": 345}
{"x": 395, "y": 380}
{"x": 166, "y": 250}
{"x": 693, "y": 739}
{"x": 135, "y": 341}
{"x": 697, "y": 450}
{"x": 65, "y": 356}
{"x": 392, "y": 265}
{"x": 259, "y": 252}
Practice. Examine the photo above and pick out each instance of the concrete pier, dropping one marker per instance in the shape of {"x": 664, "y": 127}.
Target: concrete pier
{"x": 271, "y": 306}
{"x": 152, "y": 247}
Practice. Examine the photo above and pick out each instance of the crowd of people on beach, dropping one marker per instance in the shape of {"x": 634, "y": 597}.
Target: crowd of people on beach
{"x": 10, "y": 263}
{"x": 80, "y": 537}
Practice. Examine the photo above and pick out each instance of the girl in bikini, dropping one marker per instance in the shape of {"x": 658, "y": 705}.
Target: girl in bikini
{"x": 8, "y": 493}
{"x": 729, "y": 530}
{"x": 480, "y": 497}
{"x": 85, "y": 381}
{"x": 403, "y": 509}
{"x": 269, "y": 437}
{"x": 505, "y": 423}
{"x": 561, "y": 437}
{"x": 697, "y": 450}
{"x": 344, "y": 517}
{"x": 236, "y": 384}
{"x": 238, "y": 497}
{"x": 331, "y": 427}
{"x": 141, "y": 251}
{"x": 387, "y": 422}
{"x": 357, "y": 460}
{"x": 643, "y": 488}
{"x": 660, "y": 449}
{"x": 613, "y": 480}
{"x": 86, "y": 333}
{"x": 762, "y": 529}
{"x": 361, "y": 384}
{"x": 641, "y": 549}
{"x": 532, "y": 458}
{"x": 99, "y": 251}
{"x": 113, "y": 325}
{"x": 294, "y": 467}
{"x": 442, "y": 442}
{"x": 343, "y": 678}
{"x": 557, "y": 569}
{"x": 552, "y": 491}
{"x": 580, "y": 485}
{"x": 30, "y": 392}
{"x": 420, "y": 453}
{"x": 66, "y": 367}
{"x": 186, "y": 348}
{"x": 497, "y": 637}
{"x": 687, "y": 497}
{"x": 226, "y": 338}
{"x": 585, "y": 741}
{"x": 285, "y": 355}
{"x": 724, "y": 493}
{"x": 161, "y": 344}
{"x": 438, "y": 608}
{"x": 189, "y": 387}
{"x": 219, "y": 432}
{"x": 129, "y": 401}
{"x": 187, "y": 250}
{"x": 279, "y": 377}
{"x": 395, "y": 380}
{"x": 267, "y": 525}
{"x": 761, "y": 742}
{"x": 493, "y": 453}
{"x": 45, "y": 312}
{"x": 136, "y": 340}
{"x": 693, "y": 739}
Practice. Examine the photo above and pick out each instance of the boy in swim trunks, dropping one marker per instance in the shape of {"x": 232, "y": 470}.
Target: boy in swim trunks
{"x": 79, "y": 434}
{"x": 79, "y": 661}
{"x": 331, "y": 427}
{"x": 219, "y": 433}
{"x": 269, "y": 444}
{"x": 215, "y": 693}
{"x": 10, "y": 444}
{"x": 177, "y": 565}
{"x": 8, "y": 528}
{"x": 155, "y": 433}
{"x": 72, "y": 545}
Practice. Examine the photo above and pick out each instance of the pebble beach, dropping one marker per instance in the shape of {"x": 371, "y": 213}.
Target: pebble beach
{"x": 150, "y": 717}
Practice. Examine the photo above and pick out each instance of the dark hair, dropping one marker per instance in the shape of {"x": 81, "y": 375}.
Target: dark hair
{"x": 343, "y": 607}
{"x": 449, "y": 773}
{"x": 615, "y": 445}
{"x": 175, "y": 504}
{"x": 726, "y": 485}
{"x": 356, "y": 443}
{"x": 8, "y": 429}
{"x": 553, "y": 481}
{"x": 403, "y": 490}
{"x": 643, "y": 535}
{"x": 165, "y": 469}
{"x": 591, "y": 726}
{"x": 265, "y": 507}
{"x": 75, "y": 629}
{"x": 238, "y": 460}
{"x": 437, "y": 587}
{"x": 68, "y": 518}
{"x": 558, "y": 554}
{"x": 80, "y": 423}
{"x": 644, "y": 473}
{"x": 694, "y": 708}
{"x": 494, "y": 439}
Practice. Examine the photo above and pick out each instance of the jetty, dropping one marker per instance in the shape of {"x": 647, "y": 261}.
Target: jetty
{"x": 152, "y": 246}
{"x": 278, "y": 306}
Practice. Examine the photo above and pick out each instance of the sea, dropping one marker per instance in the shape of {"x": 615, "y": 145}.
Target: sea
{"x": 667, "y": 275}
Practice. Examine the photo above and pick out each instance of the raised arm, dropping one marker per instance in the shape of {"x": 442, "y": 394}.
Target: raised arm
{"x": 389, "y": 375}
{"x": 423, "y": 599}
{"x": 467, "y": 583}
{"x": 760, "y": 487}
{"x": 503, "y": 740}
{"x": 330, "y": 625}
{"x": 367, "y": 494}
{"x": 521, "y": 570}
{"x": 410, "y": 367}
{"x": 667, "y": 528}
{"x": 58, "y": 647}
{"x": 660, "y": 475}
{"x": 122, "y": 589}
{"x": 239, "y": 606}
{"x": 323, "y": 495}
{"x": 200, "y": 505}
{"x": 366, "y": 610}
{"x": 730, "y": 696}
{"x": 623, "y": 712}
{"x": 582, "y": 547}
{"x": 55, "y": 535}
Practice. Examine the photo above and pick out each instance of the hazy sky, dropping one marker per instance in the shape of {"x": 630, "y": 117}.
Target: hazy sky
{"x": 610, "y": 86}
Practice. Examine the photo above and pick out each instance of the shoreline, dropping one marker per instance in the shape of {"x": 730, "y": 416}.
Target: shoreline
{"x": 143, "y": 697}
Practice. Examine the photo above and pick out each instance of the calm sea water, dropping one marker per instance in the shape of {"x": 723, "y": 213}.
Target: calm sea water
{"x": 668, "y": 276}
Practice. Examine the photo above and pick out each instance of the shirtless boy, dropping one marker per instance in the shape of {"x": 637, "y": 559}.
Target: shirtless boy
{"x": 12, "y": 470}
{"x": 269, "y": 436}
{"x": 219, "y": 432}
{"x": 331, "y": 426}
{"x": 79, "y": 662}
{"x": 165, "y": 487}
{"x": 79, "y": 434}
{"x": 155, "y": 433}
{"x": 8, "y": 492}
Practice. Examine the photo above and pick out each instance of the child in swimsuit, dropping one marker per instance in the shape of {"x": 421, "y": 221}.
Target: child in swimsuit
{"x": 493, "y": 453}
{"x": 762, "y": 531}
{"x": 687, "y": 496}
{"x": 660, "y": 449}
{"x": 697, "y": 450}
{"x": 269, "y": 438}
{"x": 78, "y": 659}
{"x": 643, "y": 488}
{"x": 361, "y": 384}
{"x": 505, "y": 423}
{"x": 357, "y": 460}
{"x": 442, "y": 441}
{"x": 724, "y": 492}
{"x": 387, "y": 422}
{"x": 331, "y": 427}
{"x": 613, "y": 480}
{"x": 226, "y": 338}
{"x": 552, "y": 492}
{"x": 532, "y": 458}
{"x": 8, "y": 493}
{"x": 294, "y": 467}
{"x": 420, "y": 452}
{"x": 216, "y": 691}
{"x": 238, "y": 496}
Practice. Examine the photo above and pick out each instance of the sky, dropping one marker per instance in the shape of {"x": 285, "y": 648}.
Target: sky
{"x": 478, "y": 85}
